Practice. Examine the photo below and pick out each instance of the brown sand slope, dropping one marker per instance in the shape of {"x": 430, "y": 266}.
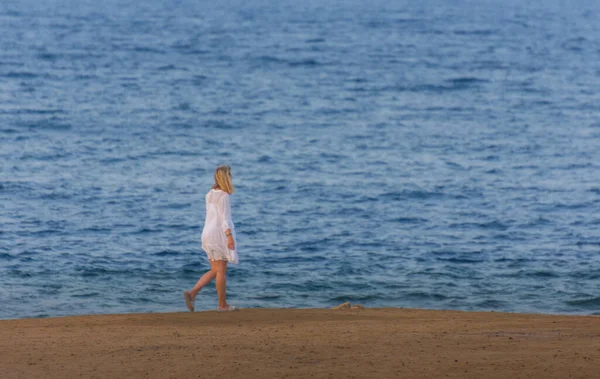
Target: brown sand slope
{"x": 320, "y": 343}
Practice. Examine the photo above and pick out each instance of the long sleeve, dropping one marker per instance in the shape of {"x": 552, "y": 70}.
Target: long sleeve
{"x": 225, "y": 213}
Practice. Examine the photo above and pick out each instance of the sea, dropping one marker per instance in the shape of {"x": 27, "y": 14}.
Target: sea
{"x": 435, "y": 154}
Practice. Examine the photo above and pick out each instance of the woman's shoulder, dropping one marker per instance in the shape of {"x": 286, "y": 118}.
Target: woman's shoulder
{"x": 217, "y": 192}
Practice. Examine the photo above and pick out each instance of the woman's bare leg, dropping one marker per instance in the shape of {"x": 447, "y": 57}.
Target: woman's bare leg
{"x": 204, "y": 280}
{"x": 221, "y": 267}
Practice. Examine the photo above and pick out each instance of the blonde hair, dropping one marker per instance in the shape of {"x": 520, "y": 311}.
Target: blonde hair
{"x": 223, "y": 179}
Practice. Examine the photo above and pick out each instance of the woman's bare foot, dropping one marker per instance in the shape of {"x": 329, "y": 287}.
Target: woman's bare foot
{"x": 189, "y": 300}
{"x": 228, "y": 308}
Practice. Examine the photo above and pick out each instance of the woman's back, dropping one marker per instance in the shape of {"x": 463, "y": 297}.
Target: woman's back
{"x": 214, "y": 218}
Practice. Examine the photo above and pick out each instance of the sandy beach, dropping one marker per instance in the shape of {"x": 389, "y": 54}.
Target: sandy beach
{"x": 300, "y": 343}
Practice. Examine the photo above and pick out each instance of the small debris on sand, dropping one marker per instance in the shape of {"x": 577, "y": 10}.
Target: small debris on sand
{"x": 347, "y": 305}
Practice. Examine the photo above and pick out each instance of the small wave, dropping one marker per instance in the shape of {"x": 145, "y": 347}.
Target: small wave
{"x": 55, "y": 196}
{"x": 493, "y": 225}
{"x": 89, "y": 272}
{"x": 101, "y": 271}
{"x": 217, "y": 124}
{"x": 20, "y": 75}
{"x": 347, "y": 270}
{"x": 106, "y": 161}
{"x": 168, "y": 67}
{"x": 287, "y": 286}
{"x": 409, "y": 220}
{"x": 411, "y": 195}
{"x": 575, "y": 44}
{"x": 448, "y": 85}
{"x": 466, "y": 81}
{"x": 196, "y": 80}
{"x": 455, "y": 165}
{"x": 424, "y": 296}
{"x": 298, "y": 259}
{"x": 592, "y": 303}
{"x": 85, "y": 77}
{"x": 491, "y": 303}
{"x": 350, "y": 211}
{"x": 146, "y": 49}
{"x": 166, "y": 253}
{"x": 95, "y": 229}
{"x": 308, "y": 62}
{"x": 585, "y": 275}
{"x": 332, "y": 157}
{"x": 192, "y": 268}
{"x": 305, "y": 63}
{"x": 145, "y": 231}
{"x": 270, "y": 59}
{"x": 33, "y": 111}
{"x": 8, "y": 130}
{"x": 86, "y": 295}
{"x": 476, "y": 32}
{"x": 49, "y": 56}
{"x": 265, "y": 297}
{"x": 512, "y": 260}
{"x": 353, "y": 298}
{"x": 177, "y": 206}
{"x": 533, "y": 274}
{"x": 20, "y": 273}
{"x": 408, "y": 20}
{"x": 588, "y": 243}
{"x": 440, "y": 275}
{"x": 135, "y": 300}
{"x": 460, "y": 260}
{"x": 375, "y": 24}
{"x": 195, "y": 52}
{"x": 50, "y": 124}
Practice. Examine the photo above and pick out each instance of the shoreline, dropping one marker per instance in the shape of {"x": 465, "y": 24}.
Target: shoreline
{"x": 273, "y": 343}
{"x": 44, "y": 317}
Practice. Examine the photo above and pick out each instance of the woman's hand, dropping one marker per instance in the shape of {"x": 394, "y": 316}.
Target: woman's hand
{"x": 230, "y": 242}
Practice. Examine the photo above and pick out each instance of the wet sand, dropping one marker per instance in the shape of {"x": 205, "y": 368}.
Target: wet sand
{"x": 301, "y": 343}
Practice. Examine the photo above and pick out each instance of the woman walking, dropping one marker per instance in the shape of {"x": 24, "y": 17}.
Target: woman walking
{"x": 218, "y": 239}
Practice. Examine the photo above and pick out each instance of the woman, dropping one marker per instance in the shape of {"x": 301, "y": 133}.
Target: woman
{"x": 218, "y": 239}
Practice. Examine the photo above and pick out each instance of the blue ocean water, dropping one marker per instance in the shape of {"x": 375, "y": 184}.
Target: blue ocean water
{"x": 433, "y": 154}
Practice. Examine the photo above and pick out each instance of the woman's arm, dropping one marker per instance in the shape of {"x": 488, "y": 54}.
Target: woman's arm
{"x": 230, "y": 241}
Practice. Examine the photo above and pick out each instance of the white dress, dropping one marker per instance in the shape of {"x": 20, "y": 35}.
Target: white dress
{"x": 218, "y": 220}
